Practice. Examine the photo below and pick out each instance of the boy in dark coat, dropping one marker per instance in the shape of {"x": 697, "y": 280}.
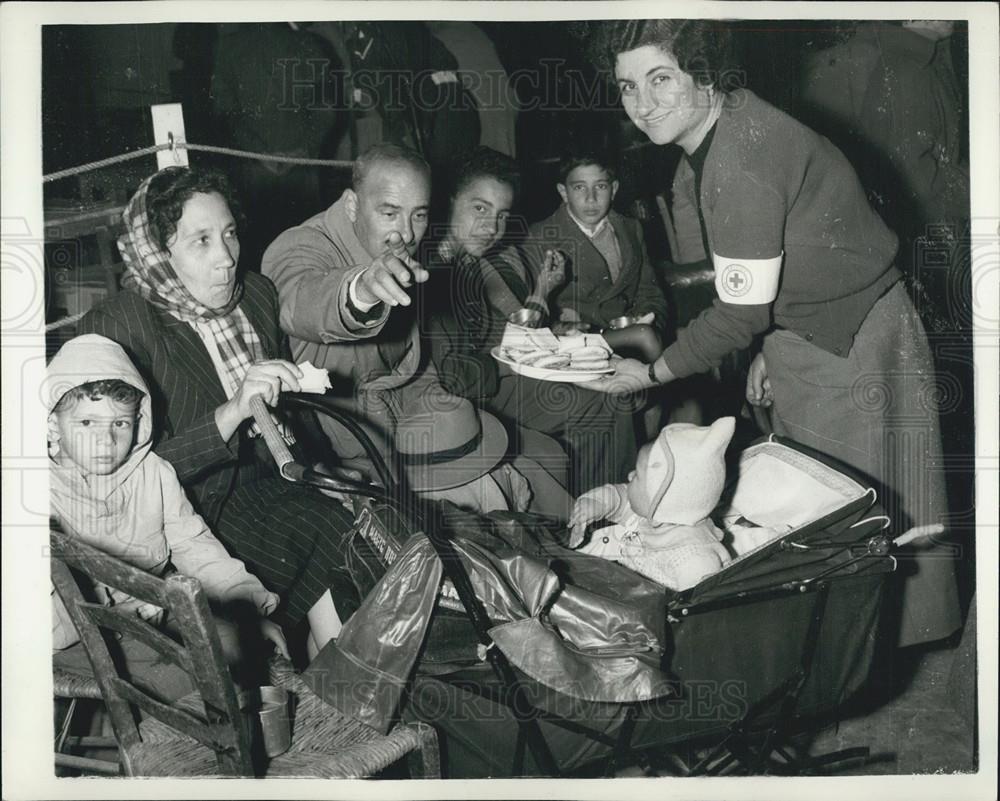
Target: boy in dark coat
{"x": 608, "y": 273}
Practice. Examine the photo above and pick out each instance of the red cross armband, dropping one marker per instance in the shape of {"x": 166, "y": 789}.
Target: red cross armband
{"x": 747, "y": 282}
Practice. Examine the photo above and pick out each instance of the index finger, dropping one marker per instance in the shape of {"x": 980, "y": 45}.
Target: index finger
{"x": 296, "y": 370}
{"x": 418, "y": 272}
{"x": 389, "y": 280}
{"x": 283, "y": 371}
{"x": 400, "y": 268}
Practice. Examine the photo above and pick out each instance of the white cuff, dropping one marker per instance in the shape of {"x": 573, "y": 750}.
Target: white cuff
{"x": 747, "y": 282}
{"x": 352, "y": 294}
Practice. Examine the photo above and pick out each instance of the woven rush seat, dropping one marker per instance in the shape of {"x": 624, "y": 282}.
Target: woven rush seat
{"x": 325, "y": 743}
{"x": 73, "y": 685}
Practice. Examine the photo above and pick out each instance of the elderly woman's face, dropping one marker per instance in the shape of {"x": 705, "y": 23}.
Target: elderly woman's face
{"x": 661, "y": 99}
{"x": 479, "y": 215}
{"x": 205, "y": 250}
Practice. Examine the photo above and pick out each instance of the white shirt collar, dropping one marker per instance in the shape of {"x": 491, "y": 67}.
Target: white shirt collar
{"x": 582, "y": 227}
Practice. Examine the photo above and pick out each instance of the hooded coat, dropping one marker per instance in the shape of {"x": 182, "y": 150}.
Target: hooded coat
{"x": 139, "y": 512}
{"x": 662, "y": 528}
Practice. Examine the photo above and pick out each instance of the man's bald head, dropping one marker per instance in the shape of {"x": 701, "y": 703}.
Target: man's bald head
{"x": 391, "y": 193}
{"x": 389, "y": 156}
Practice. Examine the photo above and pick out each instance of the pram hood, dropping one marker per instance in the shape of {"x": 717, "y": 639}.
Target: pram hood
{"x": 814, "y": 511}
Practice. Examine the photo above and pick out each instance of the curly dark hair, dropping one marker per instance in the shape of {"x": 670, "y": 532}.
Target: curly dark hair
{"x": 586, "y": 157}
{"x": 173, "y": 187}
{"x": 703, "y": 48}
{"x": 484, "y": 162}
{"x": 119, "y": 391}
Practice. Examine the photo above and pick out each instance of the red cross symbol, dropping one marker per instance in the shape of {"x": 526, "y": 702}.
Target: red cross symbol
{"x": 735, "y": 280}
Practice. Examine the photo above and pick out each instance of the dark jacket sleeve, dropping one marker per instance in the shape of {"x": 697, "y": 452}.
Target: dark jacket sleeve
{"x": 463, "y": 369}
{"x": 718, "y": 331}
{"x": 748, "y": 219}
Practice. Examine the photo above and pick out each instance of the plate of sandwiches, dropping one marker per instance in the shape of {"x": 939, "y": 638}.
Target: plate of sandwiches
{"x": 538, "y": 353}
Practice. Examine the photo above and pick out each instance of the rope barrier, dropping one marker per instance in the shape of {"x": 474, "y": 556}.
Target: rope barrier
{"x": 247, "y": 154}
{"x": 95, "y": 165}
{"x": 225, "y": 151}
{"x": 229, "y": 151}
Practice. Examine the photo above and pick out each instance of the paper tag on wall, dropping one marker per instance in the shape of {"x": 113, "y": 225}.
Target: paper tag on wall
{"x": 168, "y": 121}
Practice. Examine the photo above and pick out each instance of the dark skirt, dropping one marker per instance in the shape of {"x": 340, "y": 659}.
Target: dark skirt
{"x": 877, "y": 411}
{"x": 293, "y": 539}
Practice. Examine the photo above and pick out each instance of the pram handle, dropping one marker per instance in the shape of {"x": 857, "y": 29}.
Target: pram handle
{"x": 325, "y": 406}
{"x": 918, "y": 533}
{"x": 300, "y": 474}
{"x": 269, "y": 431}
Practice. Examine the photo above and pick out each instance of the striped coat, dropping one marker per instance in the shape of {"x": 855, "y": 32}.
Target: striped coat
{"x": 290, "y": 537}
{"x": 186, "y": 389}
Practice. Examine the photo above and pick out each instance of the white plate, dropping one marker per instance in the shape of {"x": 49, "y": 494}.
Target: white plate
{"x": 565, "y": 376}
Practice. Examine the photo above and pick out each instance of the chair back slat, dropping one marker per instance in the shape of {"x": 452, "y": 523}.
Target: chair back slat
{"x": 124, "y": 725}
{"x": 199, "y": 652}
{"x": 190, "y": 611}
{"x": 126, "y": 621}
{"x": 214, "y": 736}
{"x": 99, "y": 566}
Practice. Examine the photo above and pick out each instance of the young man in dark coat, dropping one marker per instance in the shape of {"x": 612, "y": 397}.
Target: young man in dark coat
{"x": 608, "y": 273}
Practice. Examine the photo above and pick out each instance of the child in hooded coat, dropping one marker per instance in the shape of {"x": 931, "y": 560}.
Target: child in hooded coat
{"x": 111, "y": 491}
{"x": 660, "y": 518}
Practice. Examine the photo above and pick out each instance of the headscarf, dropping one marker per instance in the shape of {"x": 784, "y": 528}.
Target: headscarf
{"x": 149, "y": 273}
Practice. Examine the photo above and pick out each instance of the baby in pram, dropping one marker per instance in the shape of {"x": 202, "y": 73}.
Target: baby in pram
{"x": 660, "y": 520}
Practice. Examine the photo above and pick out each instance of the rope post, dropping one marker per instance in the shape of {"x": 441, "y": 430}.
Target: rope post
{"x": 168, "y": 129}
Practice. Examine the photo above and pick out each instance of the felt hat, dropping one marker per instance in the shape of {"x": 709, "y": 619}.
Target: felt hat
{"x": 447, "y": 442}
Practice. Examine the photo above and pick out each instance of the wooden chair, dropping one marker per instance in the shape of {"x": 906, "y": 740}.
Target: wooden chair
{"x": 72, "y": 688}
{"x": 205, "y": 733}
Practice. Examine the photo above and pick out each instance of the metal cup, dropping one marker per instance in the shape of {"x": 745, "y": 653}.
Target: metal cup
{"x": 625, "y": 321}
{"x": 527, "y": 318}
{"x": 275, "y": 721}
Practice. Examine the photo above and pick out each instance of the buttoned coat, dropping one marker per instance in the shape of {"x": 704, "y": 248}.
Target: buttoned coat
{"x": 589, "y": 288}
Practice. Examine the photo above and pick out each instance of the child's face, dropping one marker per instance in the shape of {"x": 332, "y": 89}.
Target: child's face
{"x": 637, "y": 498}
{"x": 588, "y": 193}
{"x": 95, "y": 435}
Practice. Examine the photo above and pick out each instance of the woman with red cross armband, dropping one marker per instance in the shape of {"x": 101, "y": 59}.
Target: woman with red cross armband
{"x": 801, "y": 259}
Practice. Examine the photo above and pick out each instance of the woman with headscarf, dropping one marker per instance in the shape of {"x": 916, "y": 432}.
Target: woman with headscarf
{"x": 801, "y": 259}
{"x": 206, "y": 339}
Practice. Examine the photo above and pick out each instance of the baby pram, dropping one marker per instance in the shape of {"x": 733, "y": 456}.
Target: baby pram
{"x": 748, "y": 656}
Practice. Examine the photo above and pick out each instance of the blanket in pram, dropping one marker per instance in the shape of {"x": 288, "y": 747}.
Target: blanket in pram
{"x": 590, "y": 628}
